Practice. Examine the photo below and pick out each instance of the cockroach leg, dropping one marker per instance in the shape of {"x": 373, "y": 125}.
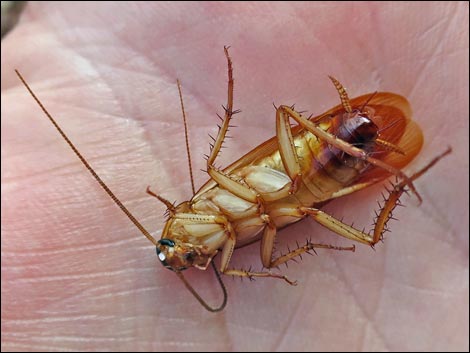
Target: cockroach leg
{"x": 287, "y": 150}
{"x": 344, "y": 146}
{"x": 306, "y": 249}
{"x": 215, "y": 148}
{"x": 229, "y": 247}
{"x": 353, "y": 188}
{"x": 235, "y": 186}
{"x": 267, "y": 244}
{"x": 383, "y": 217}
{"x": 269, "y": 235}
{"x": 337, "y": 226}
{"x": 251, "y": 275}
{"x": 394, "y": 196}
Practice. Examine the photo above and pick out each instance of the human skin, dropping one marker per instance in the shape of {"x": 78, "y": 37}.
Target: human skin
{"x": 77, "y": 275}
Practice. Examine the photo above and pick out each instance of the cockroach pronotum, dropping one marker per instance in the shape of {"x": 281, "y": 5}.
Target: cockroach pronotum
{"x": 350, "y": 147}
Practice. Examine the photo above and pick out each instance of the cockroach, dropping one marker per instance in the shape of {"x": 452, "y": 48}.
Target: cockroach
{"x": 352, "y": 146}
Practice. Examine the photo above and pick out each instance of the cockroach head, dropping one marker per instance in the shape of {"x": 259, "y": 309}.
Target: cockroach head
{"x": 178, "y": 256}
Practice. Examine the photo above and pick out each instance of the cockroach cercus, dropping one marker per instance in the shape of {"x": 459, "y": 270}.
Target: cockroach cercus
{"x": 350, "y": 147}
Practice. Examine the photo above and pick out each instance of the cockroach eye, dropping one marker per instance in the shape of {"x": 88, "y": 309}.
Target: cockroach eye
{"x": 166, "y": 242}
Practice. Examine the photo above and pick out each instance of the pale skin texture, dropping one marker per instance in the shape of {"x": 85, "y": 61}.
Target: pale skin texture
{"x": 76, "y": 274}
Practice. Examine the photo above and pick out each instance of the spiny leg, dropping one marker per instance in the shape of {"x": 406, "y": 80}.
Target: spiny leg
{"x": 394, "y": 197}
{"x": 382, "y": 217}
{"x": 236, "y": 185}
{"x": 337, "y": 226}
{"x": 267, "y": 241}
{"x": 216, "y": 146}
{"x": 287, "y": 150}
{"x": 353, "y": 188}
{"x": 309, "y": 246}
{"x": 225, "y": 180}
{"x": 250, "y": 275}
{"x": 229, "y": 182}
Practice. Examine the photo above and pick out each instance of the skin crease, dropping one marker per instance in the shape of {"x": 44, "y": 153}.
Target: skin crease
{"x": 77, "y": 275}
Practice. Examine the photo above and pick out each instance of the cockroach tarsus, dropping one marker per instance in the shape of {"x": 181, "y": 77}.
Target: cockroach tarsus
{"x": 352, "y": 146}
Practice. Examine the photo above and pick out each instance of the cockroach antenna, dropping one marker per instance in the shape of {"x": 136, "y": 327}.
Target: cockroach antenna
{"x": 123, "y": 208}
{"x": 87, "y": 165}
{"x": 186, "y": 137}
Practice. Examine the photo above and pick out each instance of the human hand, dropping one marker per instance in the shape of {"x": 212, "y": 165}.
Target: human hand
{"x": 77, "y": 275}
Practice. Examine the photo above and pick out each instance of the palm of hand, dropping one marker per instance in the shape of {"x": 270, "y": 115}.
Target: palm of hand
{"x": 74, "y": 271}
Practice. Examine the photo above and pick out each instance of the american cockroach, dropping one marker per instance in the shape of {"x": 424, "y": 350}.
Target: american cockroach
{"x": 350, "y": 147}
